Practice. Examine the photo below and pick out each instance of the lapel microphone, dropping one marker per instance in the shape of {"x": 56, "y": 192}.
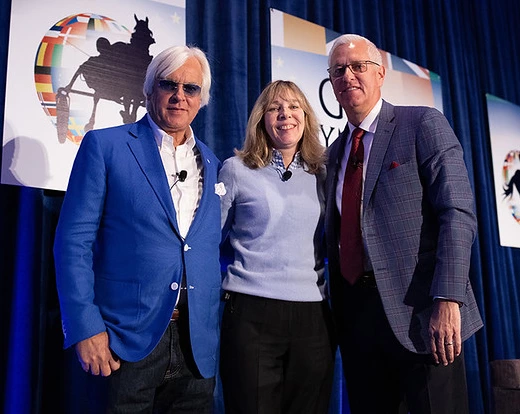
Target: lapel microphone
{"x": 286, "y": 175}
{"x": 181, "y": 176}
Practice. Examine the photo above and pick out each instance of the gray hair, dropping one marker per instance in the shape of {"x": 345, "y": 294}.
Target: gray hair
{"x": 373, "y": 52}
{"x": 171, "y": 59}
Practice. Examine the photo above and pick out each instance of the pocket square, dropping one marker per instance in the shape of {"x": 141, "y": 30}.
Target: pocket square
{"x": 220, "y": 189}
{"x": 394, "y": 164}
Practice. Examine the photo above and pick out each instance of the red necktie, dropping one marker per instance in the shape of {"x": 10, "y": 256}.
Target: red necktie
{"x": 351, "y": 242}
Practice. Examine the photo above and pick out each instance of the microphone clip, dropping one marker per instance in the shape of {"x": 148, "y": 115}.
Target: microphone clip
{"x": 286, "y": 175}
{"x": 180, "y": 176}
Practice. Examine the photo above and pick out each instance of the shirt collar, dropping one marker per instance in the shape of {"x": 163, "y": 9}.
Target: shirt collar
{"x": 369, "y": 124}
{"x": 163, "y": 139}
{"x": 277, "y": 160}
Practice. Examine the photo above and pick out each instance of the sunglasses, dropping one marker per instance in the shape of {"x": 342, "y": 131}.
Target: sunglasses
{"x": 190, "y": 89}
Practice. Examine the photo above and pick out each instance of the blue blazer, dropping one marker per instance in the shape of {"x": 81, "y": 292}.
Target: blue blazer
{"x": 418, "y": 222}
{"x": 118, "y": 252}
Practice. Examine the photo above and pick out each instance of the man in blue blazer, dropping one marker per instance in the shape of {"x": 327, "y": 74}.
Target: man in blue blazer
{"x": 137, "y": 249}
{"x": 400, "y": 291}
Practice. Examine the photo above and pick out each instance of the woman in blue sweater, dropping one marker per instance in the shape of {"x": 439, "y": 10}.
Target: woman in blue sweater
{"x": 277, "y": 345}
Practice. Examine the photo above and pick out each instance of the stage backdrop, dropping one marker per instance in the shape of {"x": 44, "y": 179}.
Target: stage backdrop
{"x": 74, "y": 65}
{"x": 504, "y": 127}
{"x": 299, "y": 51}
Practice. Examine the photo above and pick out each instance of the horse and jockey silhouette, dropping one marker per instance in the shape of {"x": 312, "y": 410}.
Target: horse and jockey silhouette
{"x": 513, "y": 182}
{"x": 116, "y": 74}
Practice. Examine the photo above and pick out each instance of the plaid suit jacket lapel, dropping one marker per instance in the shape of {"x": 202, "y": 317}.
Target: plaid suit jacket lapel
{"x": 385, "y": 129}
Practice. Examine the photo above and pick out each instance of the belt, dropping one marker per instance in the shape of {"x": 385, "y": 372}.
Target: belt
{"x": 175, "y": 315}
{"x": 367, "y": 280}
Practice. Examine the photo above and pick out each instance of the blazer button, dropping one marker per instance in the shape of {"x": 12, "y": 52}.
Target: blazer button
{"x": 174, "y": 286}
{"x": 186, "y": 248}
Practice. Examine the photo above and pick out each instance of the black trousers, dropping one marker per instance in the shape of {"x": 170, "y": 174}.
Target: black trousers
{"x": 382, "y": 376}
{"x": 276, "y": 356}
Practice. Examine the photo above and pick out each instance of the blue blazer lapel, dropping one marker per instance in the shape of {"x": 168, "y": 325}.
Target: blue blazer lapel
{"x": 144, "y": 148}
{"x": 385, "y": 129}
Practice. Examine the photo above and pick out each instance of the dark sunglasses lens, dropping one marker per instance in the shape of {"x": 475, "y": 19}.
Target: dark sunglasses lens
{"x": 167, "y": 85}
{"x": 191, "y": 89}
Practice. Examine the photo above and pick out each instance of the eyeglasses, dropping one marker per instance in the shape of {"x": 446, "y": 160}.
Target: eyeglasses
{"x": 190, "y": 89}
{"x": 355, "y": 67}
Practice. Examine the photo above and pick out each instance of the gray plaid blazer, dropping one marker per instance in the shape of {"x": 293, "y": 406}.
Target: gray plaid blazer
{"x": 418, "y": 222}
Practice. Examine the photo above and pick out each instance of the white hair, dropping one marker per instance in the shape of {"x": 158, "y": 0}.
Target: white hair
{"x": 373, "y": 52}
{"x": 171, "y": 59}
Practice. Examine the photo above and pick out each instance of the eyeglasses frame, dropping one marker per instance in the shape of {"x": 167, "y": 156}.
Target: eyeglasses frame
{"x": 349, "y": 66}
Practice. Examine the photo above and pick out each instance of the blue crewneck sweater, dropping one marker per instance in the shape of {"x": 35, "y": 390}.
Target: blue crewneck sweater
{"x": 275, "y": 228}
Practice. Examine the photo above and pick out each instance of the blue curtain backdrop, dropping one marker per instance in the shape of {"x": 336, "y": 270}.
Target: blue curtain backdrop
{"x": 472, "y": 44}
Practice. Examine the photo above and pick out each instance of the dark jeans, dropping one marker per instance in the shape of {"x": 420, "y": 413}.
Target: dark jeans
{"x": 166, "y": 381}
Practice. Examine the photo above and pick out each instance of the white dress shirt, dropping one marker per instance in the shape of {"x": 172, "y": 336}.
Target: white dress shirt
{"x": 185, "y": 194}
{"x": 369, "y": 125}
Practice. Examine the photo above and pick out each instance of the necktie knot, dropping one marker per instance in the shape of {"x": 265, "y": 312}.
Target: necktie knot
{"x": 358, "y": 134}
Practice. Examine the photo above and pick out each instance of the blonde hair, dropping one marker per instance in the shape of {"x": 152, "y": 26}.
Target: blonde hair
{"x": 257, "y": 150}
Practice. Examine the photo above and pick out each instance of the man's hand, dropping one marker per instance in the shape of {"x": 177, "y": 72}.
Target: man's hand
{"x": 95, "y": 356}
{"x": 445, "y": 339}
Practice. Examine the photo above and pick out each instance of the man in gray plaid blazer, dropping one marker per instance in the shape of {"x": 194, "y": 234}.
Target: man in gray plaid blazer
{"x": 402, "y": 319}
